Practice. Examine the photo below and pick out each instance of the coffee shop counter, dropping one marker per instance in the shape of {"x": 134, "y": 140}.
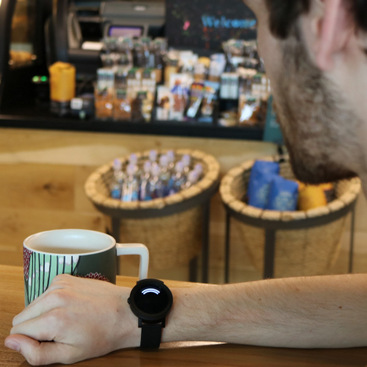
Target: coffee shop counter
{"x": 172, "y": 354}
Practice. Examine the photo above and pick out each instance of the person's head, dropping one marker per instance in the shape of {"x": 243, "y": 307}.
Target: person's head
{"x": 283, "y": 14}
{"x": 315, "y": 55}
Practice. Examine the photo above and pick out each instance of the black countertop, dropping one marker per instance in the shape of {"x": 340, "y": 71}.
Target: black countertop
{"x": 45, "y": 120}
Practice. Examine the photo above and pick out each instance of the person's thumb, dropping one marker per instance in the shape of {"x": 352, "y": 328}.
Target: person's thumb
{"x": 39, "y": 353}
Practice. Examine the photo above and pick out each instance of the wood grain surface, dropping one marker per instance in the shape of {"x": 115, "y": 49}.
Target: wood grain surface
{"x": 173, "y": 354}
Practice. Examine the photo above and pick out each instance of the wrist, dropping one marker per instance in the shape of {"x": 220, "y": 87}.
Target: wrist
{"x": 190, "y": 318}
{"x": 126, "y": 325}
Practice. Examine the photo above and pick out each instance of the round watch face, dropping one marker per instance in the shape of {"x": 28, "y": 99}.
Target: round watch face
{"x": 150, "y": 299}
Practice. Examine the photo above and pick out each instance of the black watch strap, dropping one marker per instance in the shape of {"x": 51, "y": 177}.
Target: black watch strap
{"x": 151, "y": 335}
{"x": 150, "y": 300}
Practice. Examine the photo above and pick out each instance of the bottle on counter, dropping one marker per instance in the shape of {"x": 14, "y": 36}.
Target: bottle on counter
{"x": 171, "y": 67}
{"x": 62, "y": 87}
{"x": 199, "y": 169}
{"x": 133, "y": 82}
{"x": 192, "y": 179}
{"x": 164, "y": 174}
{"x": 153, "y": 154}
{"x": 104, "y": 93}
{"x": 121, "y": 106}
{"x": 158, "y": 52}
{"x": 139, "y": 54}
{"x": 186, "y": 160}
{"x": 145, "y": 192}
{"x": 155, "y": 182}
{"x": 117, "y": 180}
{"x": 178, "y": 179}
{"x": 131, "y": 185}
{"x": 141, "y": 108}
{"x": 171, "y": 161}
{"x": 121, "y": 102}
{"x": 133, "y": 159}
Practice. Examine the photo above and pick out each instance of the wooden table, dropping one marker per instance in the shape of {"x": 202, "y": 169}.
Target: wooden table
{"x": 173, "y": 354}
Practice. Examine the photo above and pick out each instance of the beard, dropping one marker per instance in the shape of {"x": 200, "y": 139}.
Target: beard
{"x": 320, "y": 131}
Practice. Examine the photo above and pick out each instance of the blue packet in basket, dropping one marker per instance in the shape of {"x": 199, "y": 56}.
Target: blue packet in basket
{"x": 283, "y": 194}
{"x": 261, "y": 176}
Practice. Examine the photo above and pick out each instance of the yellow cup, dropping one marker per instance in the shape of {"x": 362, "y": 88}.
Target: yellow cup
{"x": 62, "y": 82}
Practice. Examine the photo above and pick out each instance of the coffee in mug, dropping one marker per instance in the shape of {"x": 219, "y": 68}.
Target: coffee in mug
{"x": 78, "y": 252}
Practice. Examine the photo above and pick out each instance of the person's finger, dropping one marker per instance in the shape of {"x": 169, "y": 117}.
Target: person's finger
{"x": 44, "y": 327}
{"x": 42, "y": 353}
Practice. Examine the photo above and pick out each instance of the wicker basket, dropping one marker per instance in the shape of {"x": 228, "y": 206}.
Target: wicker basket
{"x": 170, "y": 227}
{"x": 306, "y": 242}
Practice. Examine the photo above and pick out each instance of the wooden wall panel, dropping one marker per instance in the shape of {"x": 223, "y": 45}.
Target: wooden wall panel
{"x": 37, "y": 186}
{"x": 81, "y": 202}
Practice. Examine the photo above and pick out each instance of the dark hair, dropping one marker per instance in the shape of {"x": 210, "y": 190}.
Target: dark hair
{"x": 360, "y": 13}
{"x": 284, "y": 13}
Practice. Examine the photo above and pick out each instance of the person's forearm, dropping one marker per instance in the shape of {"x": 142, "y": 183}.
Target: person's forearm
{"x": 328, "y": 311}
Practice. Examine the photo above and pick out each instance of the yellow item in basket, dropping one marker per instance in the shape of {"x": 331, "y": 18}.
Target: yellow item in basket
{"x": 310, "y": 197}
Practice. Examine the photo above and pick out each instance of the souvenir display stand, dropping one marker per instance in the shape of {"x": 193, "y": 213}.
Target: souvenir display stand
{"x": 174, "y": 228}
{"x": 296, "y": 243}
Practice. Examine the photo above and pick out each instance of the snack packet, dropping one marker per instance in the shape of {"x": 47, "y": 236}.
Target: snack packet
{"x": 311, "y": 196}
{"x": 262, "y": 174}
{"x": 283, "y": 194}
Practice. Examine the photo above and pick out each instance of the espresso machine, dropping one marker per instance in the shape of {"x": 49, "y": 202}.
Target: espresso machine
{"x": 37, "y": 33}
{"x": 77, "y": 28}
{"x": 22, "y": 52}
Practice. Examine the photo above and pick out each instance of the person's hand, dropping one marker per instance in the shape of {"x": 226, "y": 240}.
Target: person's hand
{"x": 75, "y": 319}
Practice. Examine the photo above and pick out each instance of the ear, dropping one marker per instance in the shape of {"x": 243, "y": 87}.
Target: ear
{"x": 332, "y": 27}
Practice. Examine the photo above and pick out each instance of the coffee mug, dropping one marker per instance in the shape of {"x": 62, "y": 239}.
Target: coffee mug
{"x": 79, "y": 252}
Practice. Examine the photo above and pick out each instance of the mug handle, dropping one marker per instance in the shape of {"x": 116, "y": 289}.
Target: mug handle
{"x": 136, "y": 249}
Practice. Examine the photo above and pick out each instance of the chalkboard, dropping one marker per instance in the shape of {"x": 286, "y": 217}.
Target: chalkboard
{"x": 205, "y": 24}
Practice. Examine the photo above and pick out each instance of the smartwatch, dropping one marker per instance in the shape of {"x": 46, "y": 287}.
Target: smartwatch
{"x": 150, "y": 300}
